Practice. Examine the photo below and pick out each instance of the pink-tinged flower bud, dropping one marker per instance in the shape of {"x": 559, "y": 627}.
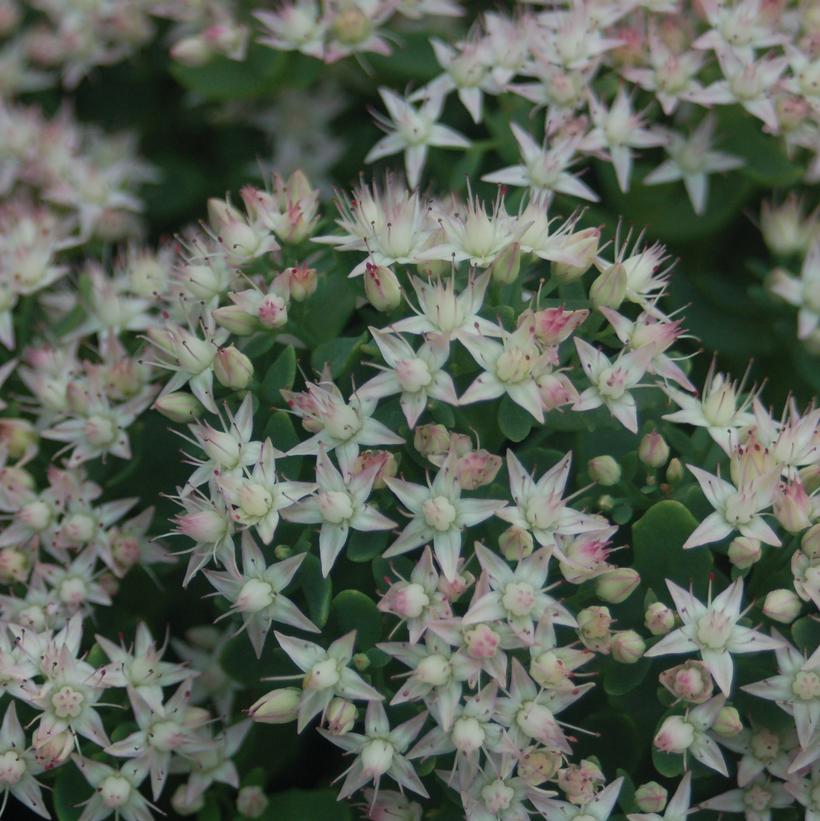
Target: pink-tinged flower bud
{"x": 376, "y": 758}
{"x": 15, "y": 565}
{"x": 322, "y": 675}
{"x": 232, "y": 368}
{"x": 460, "y": 444}
{"x": 240, "y": 240}
{"x": 782, "y": 605}
{"x": 481, "y": 641}
{"x": 251, "y": 802}
{"x": 205, "y": 526}
{"x": 583, "y": 245}
{"x": 255, "y": 596}
{"x": 340, "y": 716}
{"x": 593, "y": 628}
{"x": 676, "y": 735}
{"x": 653, "y": 450}
{"x": 538, "y": 765}
{"x": 454, "y": 590}
{"x": 192, "y": 51}
{"x": 272, "y": 311}
{"x": 744, "y": 551}
{"x": 659, "y": 619}
{"x": 690, "y": 681}
{"x": 617, "y": 585}
{"x": 179, "y": 407}
{"x": 675, "y": 471}
{"x": 431, "y": 440}
{"x": 477, "y": 469}
{"x": 792, "y": 506}
{"x": 627, "y": 646}
{"x": 279, "y": 706}
{"x": 302, "y": 281}
{"x": 184, "y": 803}
{"x": 388, "y": 465}
{"x": 51, "y": 749}
{"x": 785, "y": 228}
{"x": 536, "y": 721}
{"x": 549, "y": 670}
{"x": 553, "y": 325}
{"x": 467, "y": 735}
{"x": 581, "y": 781}
{"x": 506, "y": 266}
{"x": 387, "y": 805}
{"x": 115, "y": 791}
{"x": 810, "y": 543}
{"x": 515, "y": 543}
{"x": 37, "y": 515}
{"x": 604, "y": 470}
{"x": 651, "y": 797}
{"x": 382, "y": 287}
{"x": 406, "y": 600}
{"x": 236, "y": 320}
{"x": 19, "y": 437}
{"x": 728, "y": 723}
{"x": 556, "y": 390}
{"x": 609, "y": 288}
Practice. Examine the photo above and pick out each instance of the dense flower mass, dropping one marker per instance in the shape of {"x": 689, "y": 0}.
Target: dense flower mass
{"x": 449, "y": 485}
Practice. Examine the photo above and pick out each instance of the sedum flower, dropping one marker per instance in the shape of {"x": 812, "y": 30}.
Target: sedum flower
{"x": 598, "y": 809}
{"x": 327, "y": 675}
{"x": 379, "y": 752}
{"x": 413, "y": 131}
{"x": 803, "y": 292}
{"x": 256, "y": 594}
{"x": 18, "y": 766}
{"x": 439, "y": 514}
{"x": 688, "y": 735}
{"x": 713, "y": 630}
{"x": 678, "y": 807}
{"x": 340, "y": 504}
{"x": 116, "y": 791}
{"x": 417, "y": 375}
{"x": 755, "y": 801}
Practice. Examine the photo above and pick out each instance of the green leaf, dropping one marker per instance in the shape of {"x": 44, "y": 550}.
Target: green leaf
{"x": 340, "y": 354}
{"x": 667, "y": 764}
{"x": 317, "y": 590}
{"x": 326, "y": 313}
{"x": 300, "y": 805}
{"x": 622, "y": 678}
{"x": 280, "y": 431}
{"x": 365, "y": 546}
{"x": 210, "y": 812}
{"x": 515, "y": 423}
{"x": 280, "y": 375}
{"x": 239, "y": 661}
{"x": 353, "y": 610}
{"x": 70, "y": 789}
{"x": 657, "y": 542}
{"x": 258, "y": 345}
{"x": 806, "y": 634}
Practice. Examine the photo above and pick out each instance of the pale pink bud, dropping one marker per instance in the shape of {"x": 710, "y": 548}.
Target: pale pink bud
{"x": 554, "y": 325}
{"x": 115, "y": 791}
{"x": 782, "y": 605}
{"x": 460, "y": 444}
{"x": 744, "y": 551}
{"x": 19, "y": 437}
{"x": 659, "y": 619}
{"x": 376, "y": 758}
{"x": 272, "y": 311}
{"x": 810, "y": 543}
{"x": 627, "y": 646}
{"x": 538, "y": 765}
{"x": 431, "y": 440}
{"x": 555, "y": 390}
{"x": 254, "y": 596}
{"x": 609, "y": 288}
{"x": 387, "y": 461}
{"x": 36, "y": 515}
{"x": 185, "y": 803}
{"x": 206, "y": 526}
{"x": 192, "y": 51}
{"x": 690, "y": 681}
{"x": 51, "y": 749}
{"x": 251, "y": 802}
{"x": 322, "y": 675}
{"x": 580, "y": 781}
{"x": 583, "y": 245}
{"x": 653, "y": 450}
{"x": 279, "y": 706}
{"x": 792, "y": 506}
{"x": 515, "y": 543}
{"x": 593, "y": 628}
{"x": 481, "y": 641}
{"x": 454, "y": 590}
{"x": 651, "y": 797}
{"x": 405, "y": 599}
{"x": 179, "y": 407}
{"x": 235, "y": 320}
{"x": 617, "y": 585}
{"x": 302, "y": 281}
{"x": 675, "y": 471}
{"x": 604, "y": 470}
{"x": 477, "y": 469}
{"x": 549, "y": 670}
{"x": 14, "y": 565}
{"x": 728, "y": 722}
{"x": 382, "y": 288}
{"x": 340, "y": 716}
{"x": 232, "y": 368}
{"x": 676, "y": 735}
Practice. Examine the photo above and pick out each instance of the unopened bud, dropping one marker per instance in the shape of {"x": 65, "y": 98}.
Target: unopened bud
{"x": 431, "y": 440}
{"x": 674, "y": 471}
{"x": 593, "y": 628}
{"x": 515, "y": 543}
{"x": 507, "y": 264}
{"x": 728, "y": 723}
{"x": 690, "y": 681}
{"x": 251, "y": 802}
{"x": 232, "y": 368}
{"x": 279, "y": 706}
{"x": 604, "y": 470}
{"x": 302, "y": 282}
{"x": 388, "y": 465}
{"x": 52, "y": 749}
{"x": 659, "y": 619}
{"x": 537, "y": 766}
{"x": 627, "y": 646}
{"x": 340, "y": 716}
{"x": 382, "y": 288}
{"x": 617, "y": 585}
{"x": 581, "y": 781}
{"x": 782, "y": 605}
{"x": 282, "y": 552}
{"x": 236, "y": 320}
{"x": 744, "y": 551}
{"x": 609, "y": 288}
{"x": 477, "y": 469}
{"x": 810, "y": 478}
{"x": 14, "y": 565}
{"x": 653, "y": 450}
{"x": 792, "y": 506}
{"x": 185, "y": 803}
{"x": 676, "y": 735}
{"x": 810, "y": 543}
{"x": 19, "y": 436}
{"x": 583, "y": 245}
{"x": 360, "y": 661}
{"x": 179, "y": 407}
{"x": 651, "y": 797}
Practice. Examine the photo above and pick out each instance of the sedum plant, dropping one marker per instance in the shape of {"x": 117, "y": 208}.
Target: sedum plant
{"x": 417, "y": 499}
